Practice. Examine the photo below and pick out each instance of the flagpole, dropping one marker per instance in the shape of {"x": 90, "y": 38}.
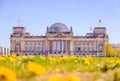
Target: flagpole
{"x": 19, "y": 23}
{"x": 99, "y": 23}
{"x": 90, "y": 29}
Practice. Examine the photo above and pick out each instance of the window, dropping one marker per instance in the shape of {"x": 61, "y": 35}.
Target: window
{"x": 83, "y": 43}
{"x": 35, "y": 49}
{"x": 79, "y": 43}
{"x": 26, "y": 43}
{"x": 41, "y": 42}
{"x": 38, "y": 43}
{"x": 92, "y": 43}
{"x": 42, "y": 49}
{"x": 26, "y": 48}
{"x": 75, "y": 43}
{"x": 100, "y": 49}
{"x": 18, "y": 42}
{"x": 100, "y": 43}
{"x": 78, "y": 49}
{"x": 84, "y": 48}
{"x": 39, "y": 49}
{"x": 30, "y": 49}
{"x": 75, "y": 49}
{"x": 87, "y": 43}
{"x": 17, "y": 49}
{"x": 92, "y": 48}
{"x": 34, "y": 43}
{"x": 30, "y": 43}
{"x": 88, "y": 48}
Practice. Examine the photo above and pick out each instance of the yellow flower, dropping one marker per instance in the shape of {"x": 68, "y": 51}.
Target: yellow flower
{"x": 65, "y": 57}
{"x": 52, "y": 59}
{"x": 112, "y": 61}
{"x": 69, "y": 77}
{"x": 42, "y": 57}
{"x": 12, "y": 59}
{"x": 36, "y": 68}
{"x": 72, "y": 77}
{"x": 7, "y": 74}
{"x": 118, "y": 61}
{"x": 53, "y": 78}
{"x": 87, "y": 61}
{"x": 73, "y": 57}
{"x": 13, "y": 55}
{"x": 2, "y": 58}
{"x": 19, "y": 58}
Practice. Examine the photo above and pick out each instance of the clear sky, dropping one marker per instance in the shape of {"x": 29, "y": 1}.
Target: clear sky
{"x": 82, "y": 15}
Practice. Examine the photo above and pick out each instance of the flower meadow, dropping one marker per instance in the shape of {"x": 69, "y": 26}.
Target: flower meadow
{"x": 66, "y": 68}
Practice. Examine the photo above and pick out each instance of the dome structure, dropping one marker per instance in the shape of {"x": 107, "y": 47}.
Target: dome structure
{"x": 58, "y": 27}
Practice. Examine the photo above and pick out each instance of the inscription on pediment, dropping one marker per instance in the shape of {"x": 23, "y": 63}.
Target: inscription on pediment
{"x": 61, "y": 36}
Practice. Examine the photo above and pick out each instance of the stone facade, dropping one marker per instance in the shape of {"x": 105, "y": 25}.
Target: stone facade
{"x": 58, "y": 41}
{"x": 4, "y": 51}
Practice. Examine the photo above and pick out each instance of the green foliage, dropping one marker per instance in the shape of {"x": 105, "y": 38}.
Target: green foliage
{"x": 117, "y": 50}
{"x": 109, "y": 50}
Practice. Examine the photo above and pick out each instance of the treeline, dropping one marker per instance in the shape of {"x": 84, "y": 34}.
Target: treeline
{"x": 110, "y": 51}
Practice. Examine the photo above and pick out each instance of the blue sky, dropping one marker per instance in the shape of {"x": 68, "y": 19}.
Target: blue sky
{"x": 36, "y": 15}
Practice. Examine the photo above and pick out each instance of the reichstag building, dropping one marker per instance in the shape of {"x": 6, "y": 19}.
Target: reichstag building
{"x": 58, "y": 41}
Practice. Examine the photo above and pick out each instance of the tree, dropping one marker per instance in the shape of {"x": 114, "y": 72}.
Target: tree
{"x": 117, "y": 50}
{"x": 109, "y": 50}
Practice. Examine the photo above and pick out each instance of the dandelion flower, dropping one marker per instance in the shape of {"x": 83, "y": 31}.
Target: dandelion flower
{"x": 36, "y": 68}
{"x": 72, "y": 77}
{"x": 54, "y": 77}
{"x": 12, "y": 59}
{"x": 7, "y": 74}
{"x": 69, "y": 77}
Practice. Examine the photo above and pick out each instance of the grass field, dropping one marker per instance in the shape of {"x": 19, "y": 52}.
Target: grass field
{"x": 40, "y": 68}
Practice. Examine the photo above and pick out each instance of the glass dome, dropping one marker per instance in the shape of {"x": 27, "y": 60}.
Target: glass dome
{"x": 58, "y": 27}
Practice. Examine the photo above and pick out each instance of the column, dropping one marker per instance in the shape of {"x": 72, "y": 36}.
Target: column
{"x": 66, "y": 46}
{"x": 46, "y": 46}
{"x": 47, "y": 49}
{"x": 7, "y": 50}
{"x": 51, "y": 46}
{"x": 71, "y": 47}
{"x": 56, "y": 46}
{"x": 96, "y": 47}
{"x": 4, "y": 51}
{"x": 0, "y": 51}
{"x": 60, "y": 46}
{"x": 22, "y": 45}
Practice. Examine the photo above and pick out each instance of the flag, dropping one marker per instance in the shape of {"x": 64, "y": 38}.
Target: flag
{"x": 90, "y": 28}
{"x": 99, "y": 21}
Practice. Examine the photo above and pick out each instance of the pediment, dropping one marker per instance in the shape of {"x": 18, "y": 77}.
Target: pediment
{"x": 60, "y": 35}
